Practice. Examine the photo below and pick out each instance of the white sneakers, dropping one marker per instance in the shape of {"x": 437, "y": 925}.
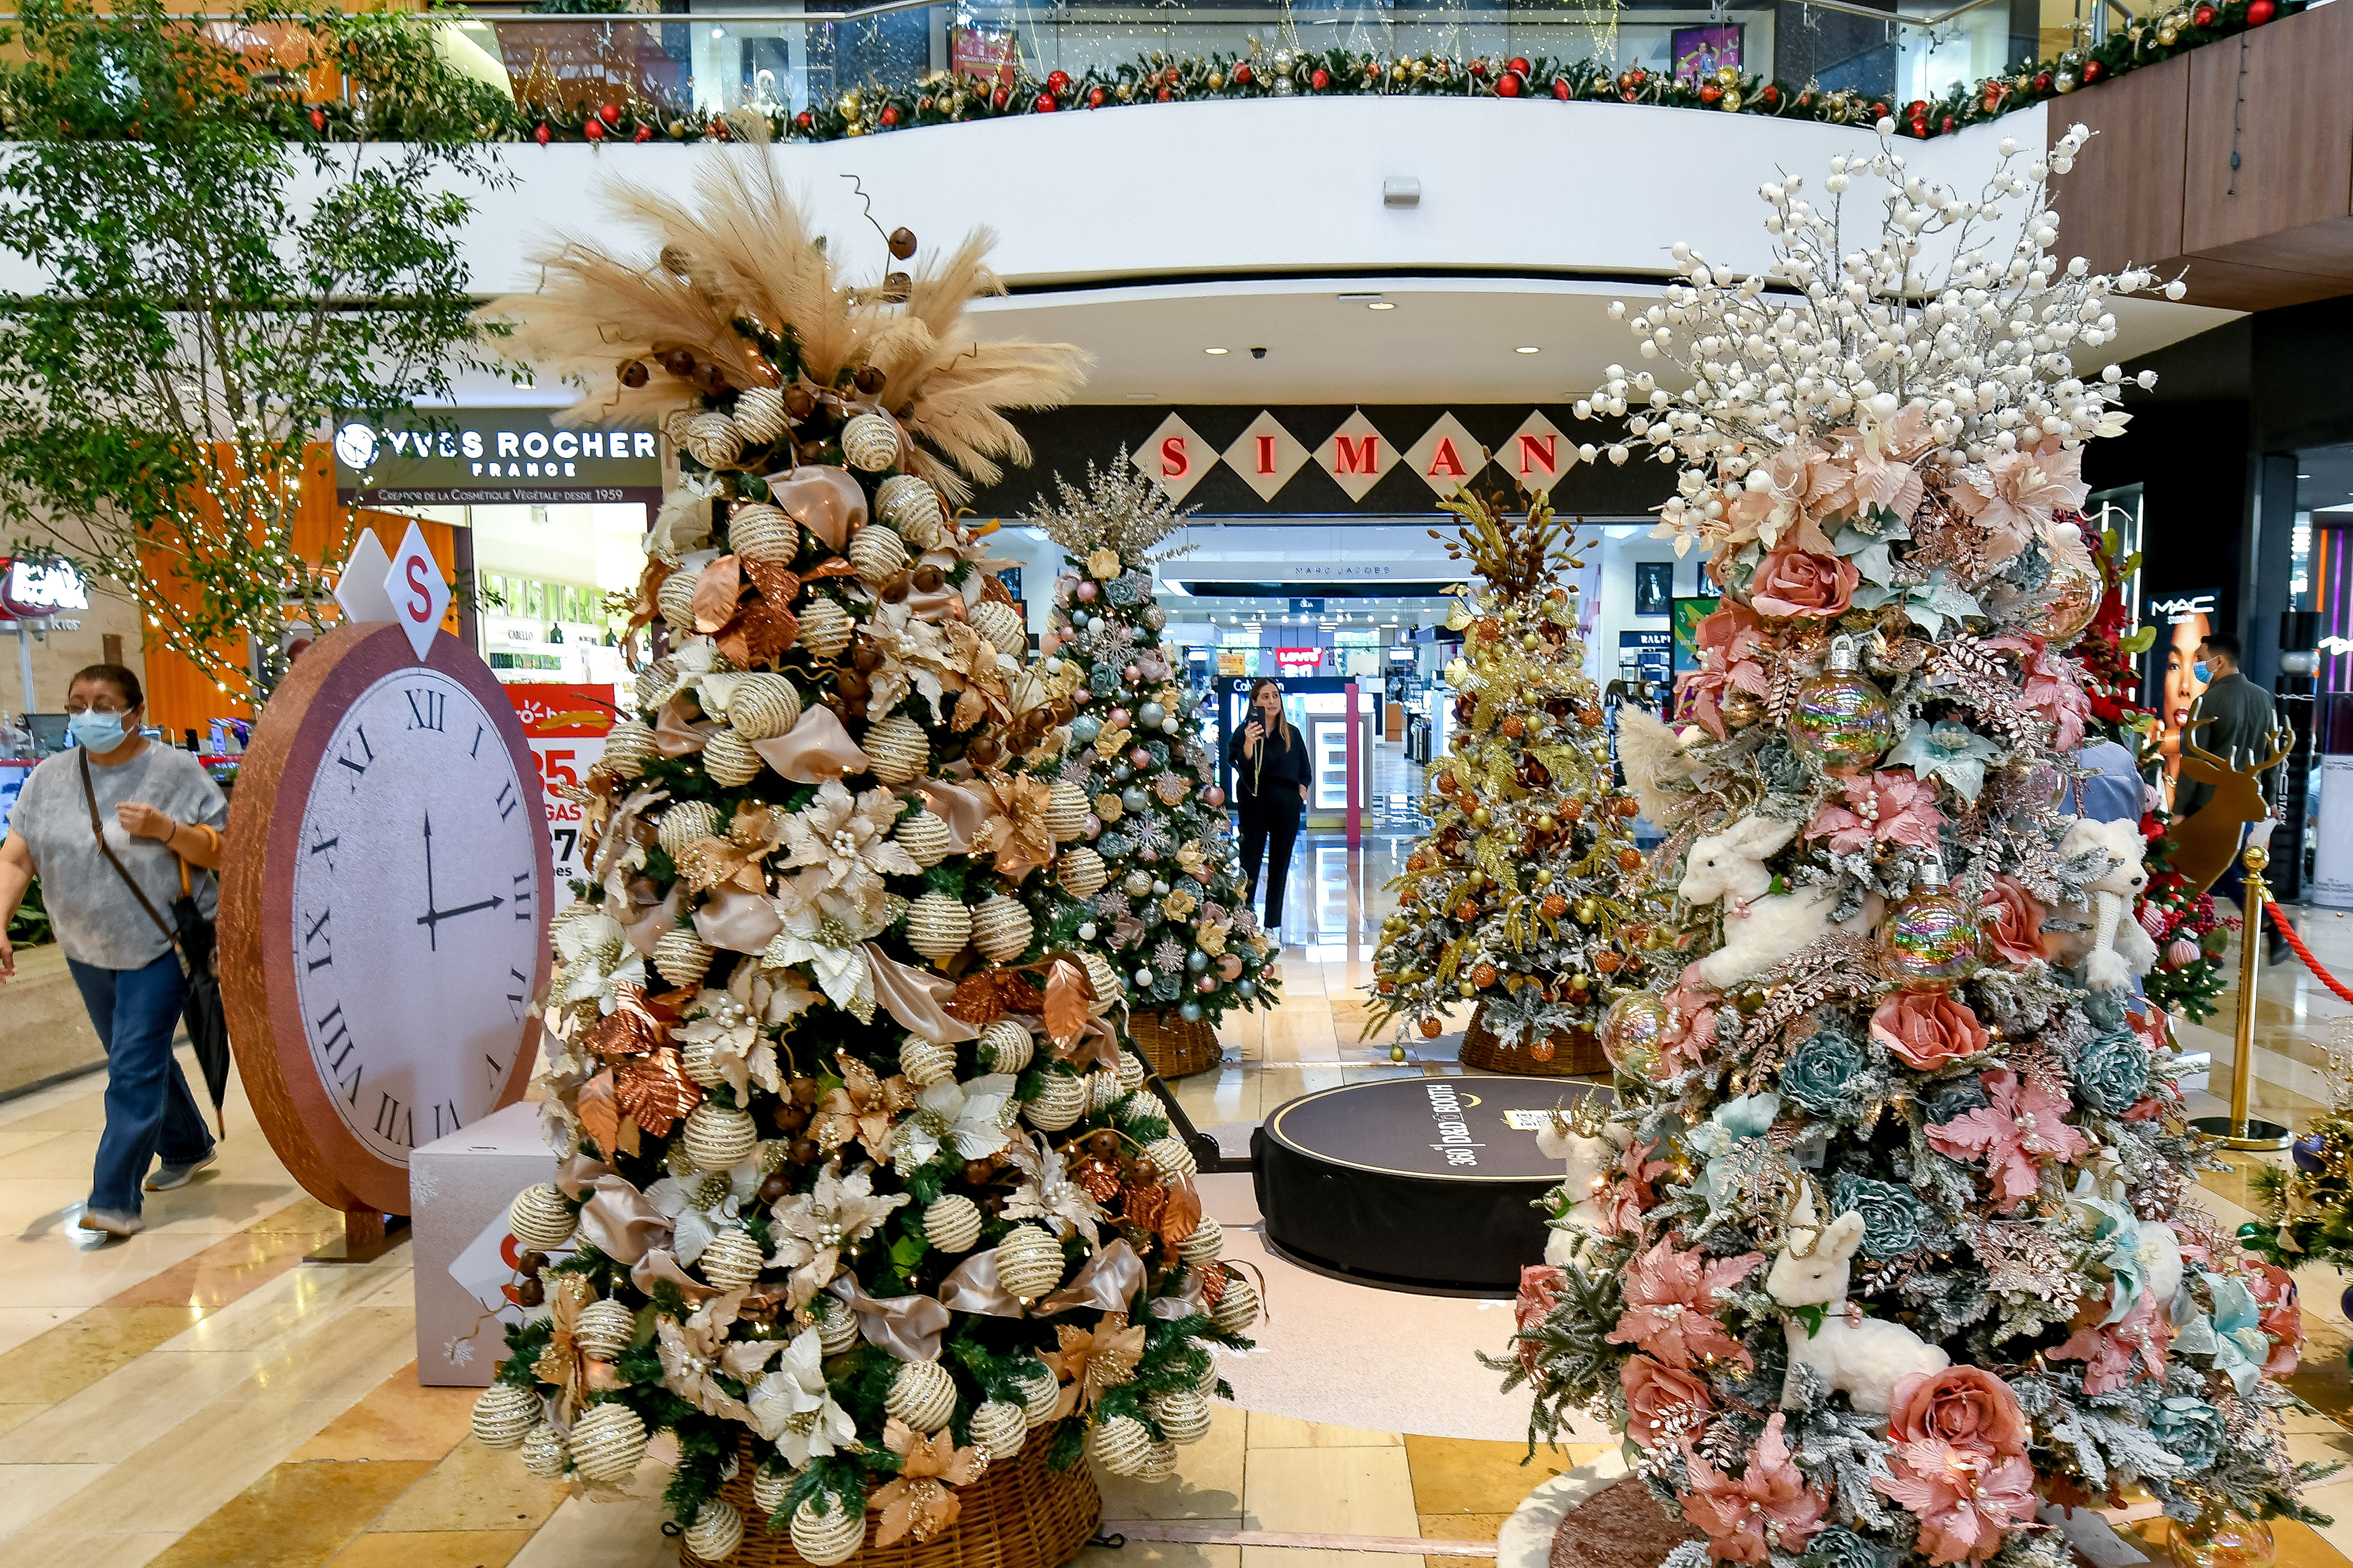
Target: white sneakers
{"x": 167, "y": 1177}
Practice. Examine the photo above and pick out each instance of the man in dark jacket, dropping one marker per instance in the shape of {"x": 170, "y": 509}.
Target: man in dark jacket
{"x": 2239, "y": 712}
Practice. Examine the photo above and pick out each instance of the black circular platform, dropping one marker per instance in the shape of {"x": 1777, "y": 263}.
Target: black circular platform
{"x": 1414, "y": 1183}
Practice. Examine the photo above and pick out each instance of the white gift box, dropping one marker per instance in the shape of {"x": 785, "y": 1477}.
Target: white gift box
{"x": 459, "y": 1189}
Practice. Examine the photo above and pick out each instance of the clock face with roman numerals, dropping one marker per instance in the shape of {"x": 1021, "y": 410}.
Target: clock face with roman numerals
{"x": 383, "y": 910}
{"x": 416, "y": 914}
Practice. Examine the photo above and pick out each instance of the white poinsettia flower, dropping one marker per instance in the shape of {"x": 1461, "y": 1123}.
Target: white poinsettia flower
{"x": 812, "y": 1227}
{"x": 793, "y": 1408}
{"x": 1047, "y": 1193}
{"x": 842, "y": 843}
{"x": 596, "y": 956}
{"x": 693, "y": 1224}
{"x": 971, "y": 1118}
{"x": 731, "y": 1025}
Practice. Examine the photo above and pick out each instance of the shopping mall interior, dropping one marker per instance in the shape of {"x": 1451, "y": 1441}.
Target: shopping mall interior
{"x": 1301, "y": 357}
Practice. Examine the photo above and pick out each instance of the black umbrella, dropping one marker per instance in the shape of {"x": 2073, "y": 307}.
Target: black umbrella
{"x": 207, "y": 1023}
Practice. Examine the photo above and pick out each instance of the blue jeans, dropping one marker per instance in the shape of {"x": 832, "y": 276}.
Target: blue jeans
{"x": 149, "y": 1110}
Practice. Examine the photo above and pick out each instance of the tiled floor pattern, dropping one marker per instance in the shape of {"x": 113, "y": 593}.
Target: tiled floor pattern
{"x": 198, "y": 1396}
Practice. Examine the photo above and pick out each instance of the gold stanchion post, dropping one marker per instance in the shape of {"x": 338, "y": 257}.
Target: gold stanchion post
{"x": 2240, "y": 1130}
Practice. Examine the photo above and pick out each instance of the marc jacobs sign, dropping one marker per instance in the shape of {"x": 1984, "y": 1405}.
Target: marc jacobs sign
{"x": 1358, "y": 455}
{"x": 491, "y": 456}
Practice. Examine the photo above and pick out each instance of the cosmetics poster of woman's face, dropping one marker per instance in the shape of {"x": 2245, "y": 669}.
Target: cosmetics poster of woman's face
{"x": 2182, "y": 687}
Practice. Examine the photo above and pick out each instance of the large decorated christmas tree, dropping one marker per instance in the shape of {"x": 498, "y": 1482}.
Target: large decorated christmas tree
{"x": 862, "y": 1202}
{"x": 1152, "y": 870}
{"x": 1524, "y": 898}
{"x": 1899, "y": 1244}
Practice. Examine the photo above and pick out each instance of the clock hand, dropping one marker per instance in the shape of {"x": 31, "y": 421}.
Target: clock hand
{"x": 431, "y": 916}
{"x": 428, "y": 918}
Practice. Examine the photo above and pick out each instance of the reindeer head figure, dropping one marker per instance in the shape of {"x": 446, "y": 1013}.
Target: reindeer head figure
{"x": 2205, "y": 840}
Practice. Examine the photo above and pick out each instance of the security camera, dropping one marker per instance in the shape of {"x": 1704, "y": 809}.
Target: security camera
{"x": 1258, "y": 353}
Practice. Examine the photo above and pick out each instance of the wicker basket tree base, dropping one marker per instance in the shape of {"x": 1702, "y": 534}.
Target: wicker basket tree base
{"x": 1574, "y": 1053}
{"x": 1020, "y": 1514}
{"x": 1171, "y": 1046}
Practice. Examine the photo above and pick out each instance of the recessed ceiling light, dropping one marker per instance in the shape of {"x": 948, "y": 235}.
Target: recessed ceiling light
{"x": 1526, "y": 349}
{"x": 1142, "y": 397}
{"x": 1217, "y": 351}
{"x": 1382, "y": 305}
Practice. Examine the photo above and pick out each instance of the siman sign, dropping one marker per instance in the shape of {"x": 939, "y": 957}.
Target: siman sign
{"x": 489, "y": 455}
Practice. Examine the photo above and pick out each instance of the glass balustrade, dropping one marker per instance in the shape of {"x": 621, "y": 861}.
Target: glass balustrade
{"x": 719, "y": 57}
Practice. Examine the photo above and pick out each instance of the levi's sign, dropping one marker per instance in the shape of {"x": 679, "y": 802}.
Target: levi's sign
{"x": 466, "y": 455}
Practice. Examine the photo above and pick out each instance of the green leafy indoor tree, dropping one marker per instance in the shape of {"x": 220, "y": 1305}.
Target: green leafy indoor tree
{"x": 207, "y": 267}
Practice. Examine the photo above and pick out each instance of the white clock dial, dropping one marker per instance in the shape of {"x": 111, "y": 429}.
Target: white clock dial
{"x": 416, "y": 910}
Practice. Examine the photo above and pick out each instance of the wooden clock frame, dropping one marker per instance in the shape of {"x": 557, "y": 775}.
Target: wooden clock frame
{"x": 258, "y": 960}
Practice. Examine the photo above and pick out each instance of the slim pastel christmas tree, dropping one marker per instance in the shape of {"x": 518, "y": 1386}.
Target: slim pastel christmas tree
{"x": 864, "y": 1206}
{"x": 1152, "y": 869}
{"x": 1524, "y": 897}
{"x": 1898, "y": 1244}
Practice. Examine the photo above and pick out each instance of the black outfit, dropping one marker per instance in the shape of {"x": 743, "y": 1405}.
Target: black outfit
{"x": 1267, "y": 789}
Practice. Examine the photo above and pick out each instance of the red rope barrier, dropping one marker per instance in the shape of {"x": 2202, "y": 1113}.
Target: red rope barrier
{"x": 2304, "y": 953}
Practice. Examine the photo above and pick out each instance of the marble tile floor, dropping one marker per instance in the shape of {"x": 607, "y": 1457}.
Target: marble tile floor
{"x": 200, "y": 1396}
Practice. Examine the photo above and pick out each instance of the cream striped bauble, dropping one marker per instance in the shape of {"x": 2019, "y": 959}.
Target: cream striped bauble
{"x": 675, "y": 600}
{"x": 1104, "y": 979}
{"x": 1132, "y": 1071}
{"x": 760, "y": 415}
{"x": 826, "y": 628}
{"x": 1147, "y": 1107}
{"x": 1000, "y": 1427}
{"x": 871, "y": 441}
{"x": 898, "y": 749}
{"x": 1104, "y": 1091}
{"x": 1007, "y": 1046}
{"x": 717, "y": 1529}
{"x": 504, "y": 1414}
{"x": 541, "y": 1217}
{"x": 1062, "y": 1099}
{"x": 1119, "y": 1446}
{"x": 712, "y": 437}
{"x": 686, "y": 821}
{"x": 952, "y": 1223}
{"x": 1205, "y": 1246}
{"x": 719, "y": 1137}
{"x": 684, "y": 957}
{"x": 654, "y": 684}
{"x": 823, "y": 1540}
{"x": 544, "y": 1453}
{"x": 1170, "y": 1157}
{"x": 696, "y": 1059}
{"x": 925, "y": 839}
{"x": 758, "y": 531}
{"x": 629, "y": 745}
{"x": 938, "y": 926}
{"x": 731, "y": 1258}
{"x": 912, "y": 507}
{"x": 728, "y": 757}
{"x": 926, "y": 1062}
{"x": 1207, "y": 1386}
{"x": 1236, "y": 1310}
{"x": 604, "y": 1330}
{"x": 607, "y": 1441}
{"x": 1041, "y": 1393}
{"x": 877, "y": 554}
{"x": 763, "y": 706}
{"x": 837, "y": 1329}
{"x": 1182, "y": 1415}
{"x": 922, "y": 1395}
{"x": 1029, "y": 1262}
{"x": 1001, "y": 928}
{"x": 771, "y": 1484}
{"x": 1066, "y": 810}
{"x": 1006, "y": 632}
{"x": 1081, "y": 871}
{"x": 1159, "y": 1463}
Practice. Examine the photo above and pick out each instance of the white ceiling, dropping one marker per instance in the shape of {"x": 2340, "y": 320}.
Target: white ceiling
{"x": 1449, "y": 340}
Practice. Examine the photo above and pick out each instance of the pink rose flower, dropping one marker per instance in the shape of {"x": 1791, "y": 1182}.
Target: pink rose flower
{"x": 2011, "y": 920}
{"x": 1967, "y": 1407}
{"x": 1655, "y": 1394}
{"x": 1792, "y": 581}
{"x": 2274, "y": 1293}
{"x": 1965, "y": 1500}
{"x": 1540, "y": 1286}
{"x": 1927, "y": 1028}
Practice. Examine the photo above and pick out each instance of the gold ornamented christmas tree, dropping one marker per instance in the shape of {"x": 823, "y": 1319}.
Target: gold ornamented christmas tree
{"x": 1524, "y": 896}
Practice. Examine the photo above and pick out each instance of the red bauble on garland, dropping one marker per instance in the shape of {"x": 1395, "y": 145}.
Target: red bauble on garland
{"x": 1321, "y": 80}
{"x": 1045, "y": 104}
{"x": 610, "y": 113}
{"x": 541, "y": 135}
{"x": 645, "y": 133}
{"x": 1560, "y": 88}
{"x": 2203, "y": 17}
{"x": 2260, "y": 10}
{"x": 1508, "y": 85}
{"x": 1057, "y": 83}
{"x": 593, "y": 130}
{"x": 1243, "y": 74}
{"x": 1520, "y": 67}
{"x": 1094, "y": 98}
{"x": 890, "y": 115}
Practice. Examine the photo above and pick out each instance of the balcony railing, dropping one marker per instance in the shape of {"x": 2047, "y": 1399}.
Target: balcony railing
{"x": 785, "y": 57}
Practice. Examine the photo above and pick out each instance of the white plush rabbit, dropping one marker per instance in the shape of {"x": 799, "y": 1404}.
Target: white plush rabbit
{"x": 1864, "y": 1358}
{"x": 1759, "y": 931}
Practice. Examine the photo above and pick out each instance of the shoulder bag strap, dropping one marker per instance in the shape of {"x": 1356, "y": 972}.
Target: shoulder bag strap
{"x": 90, "y": 794}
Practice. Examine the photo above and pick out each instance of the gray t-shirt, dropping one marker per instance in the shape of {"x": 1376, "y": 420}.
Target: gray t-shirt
{"x": 97, "y": 921}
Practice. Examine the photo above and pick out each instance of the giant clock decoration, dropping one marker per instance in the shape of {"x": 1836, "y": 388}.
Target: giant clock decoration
{"x": 384, "y": 911}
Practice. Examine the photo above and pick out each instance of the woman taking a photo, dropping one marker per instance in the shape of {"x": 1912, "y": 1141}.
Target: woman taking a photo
{"x": 109, "y": 812}
{"x": 1270, "y": 778}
